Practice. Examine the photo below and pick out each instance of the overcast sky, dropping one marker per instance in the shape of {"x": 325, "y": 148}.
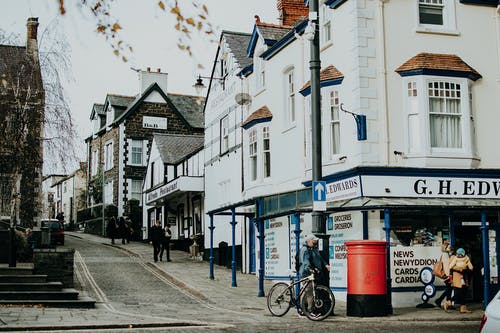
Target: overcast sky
{"x": 96, "y": 71}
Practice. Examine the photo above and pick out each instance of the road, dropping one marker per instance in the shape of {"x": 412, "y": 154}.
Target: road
{"x": 128, "y": 285}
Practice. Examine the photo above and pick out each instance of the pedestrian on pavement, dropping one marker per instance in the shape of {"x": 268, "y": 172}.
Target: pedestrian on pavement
{"x": 461, "y": 266}
{"x": 156, "y": 237}
{"x": 122, "y": 229}
{"x": 112, "y": 229}
{"x": 129, "y": 230}
{"x": 446, "y": 253}
{"x": 311, "y": 261}
{"x": 165, "y": 245}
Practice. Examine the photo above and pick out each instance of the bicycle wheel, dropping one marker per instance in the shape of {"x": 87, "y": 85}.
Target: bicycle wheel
{"x": 322, "y": 304}
{"x": 279, "y": 299}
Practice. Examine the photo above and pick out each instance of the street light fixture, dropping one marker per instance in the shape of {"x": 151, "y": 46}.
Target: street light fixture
{"x": 199, "y": 86}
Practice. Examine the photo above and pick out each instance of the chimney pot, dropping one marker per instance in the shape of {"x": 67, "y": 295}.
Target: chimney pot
{"x": 148, "y": 69}
{"x": 158, "y": 70}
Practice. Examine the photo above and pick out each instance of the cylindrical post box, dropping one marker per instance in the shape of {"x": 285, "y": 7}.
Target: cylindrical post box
{"x": 366, "y": 278}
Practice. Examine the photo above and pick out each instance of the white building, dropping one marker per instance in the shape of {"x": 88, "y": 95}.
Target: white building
{"x": 422, "y": 169}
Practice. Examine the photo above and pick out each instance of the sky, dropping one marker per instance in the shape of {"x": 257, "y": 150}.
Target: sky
{"x": 96, "y": 71}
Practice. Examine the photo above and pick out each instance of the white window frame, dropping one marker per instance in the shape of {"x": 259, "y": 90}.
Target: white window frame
{"x": 334, "y": 125}
{"x": 252, "y": 154}
{"x": 448, "y": 15}
{"x": 266, "y": 152}
{"x": 108, "y": 192}
{"x": 290, "y": 95}
{"x": 224, "y": 134}
{"x": 136, "y": 193}
{"x": 260, "y": 72}
{"x": 136, "y": 144}
{"x": 108, "y": 155}
{"x": 326, "y": 25}
{"x": 417, "y": 125}
{"x": 95, "y": 162}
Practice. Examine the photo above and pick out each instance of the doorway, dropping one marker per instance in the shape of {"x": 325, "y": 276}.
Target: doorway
{"x": 469, "y": 238}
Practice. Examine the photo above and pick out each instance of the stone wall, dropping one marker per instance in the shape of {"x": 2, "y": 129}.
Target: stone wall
{"x": 57, "y": 264}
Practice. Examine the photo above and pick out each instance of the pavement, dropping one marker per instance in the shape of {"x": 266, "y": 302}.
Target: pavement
{"x": 191, "y": 277}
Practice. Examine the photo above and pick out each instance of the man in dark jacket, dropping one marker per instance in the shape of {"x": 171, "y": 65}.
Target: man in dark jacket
{"x": 165, "y": 246}
{"x": 156, "y": 238}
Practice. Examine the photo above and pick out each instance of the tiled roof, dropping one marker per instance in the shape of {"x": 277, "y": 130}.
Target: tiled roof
{"x": 261, "y": 113}
{"x": 120, "y": 100}
{"x": 238, "y": 43}
{"x": 190, "y": 107}
{"x": 326, "y": 74}
{"x": 174, "y": 148}
{"x": 441, "y": 62}
{"x": 99, "y": 109}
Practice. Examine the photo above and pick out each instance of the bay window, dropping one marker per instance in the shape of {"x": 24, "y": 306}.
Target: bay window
{"x": 266, "y": 152}
{"x": 252, "y": 149}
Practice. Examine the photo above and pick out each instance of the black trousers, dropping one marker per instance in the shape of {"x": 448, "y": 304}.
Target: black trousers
{"x": 165, "y": 246}
{"x": 156, "y": 250}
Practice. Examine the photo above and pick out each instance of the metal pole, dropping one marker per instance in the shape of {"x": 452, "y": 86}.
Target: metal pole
{"x": 296, "y": 218}
{"x": 260, "y": 227}
{"x": 387, "y": 229}
{"x": 212, "y": 246}
{"x": 233, "y": 262}
{"x": 486, "y": 259}
{"x": 318, "y": 223}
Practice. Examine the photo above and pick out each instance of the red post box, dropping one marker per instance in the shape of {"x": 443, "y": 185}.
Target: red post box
{"x": 366, "y": 278}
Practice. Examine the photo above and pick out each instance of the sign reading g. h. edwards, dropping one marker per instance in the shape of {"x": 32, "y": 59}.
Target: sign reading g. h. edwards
{"x": 431, "y": 187}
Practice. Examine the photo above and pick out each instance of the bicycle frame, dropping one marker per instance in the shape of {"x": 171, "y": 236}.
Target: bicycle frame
{"x": 296, "y": 296}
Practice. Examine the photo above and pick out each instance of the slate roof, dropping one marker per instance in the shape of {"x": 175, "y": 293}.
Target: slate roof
{"x": 272, "y": 31}
{"x": 238, "y": 43}
{"x": 328, "y": 73}
{"x": 260, "y": 114}
{"x": 120, "y": 101}
{"x": 15, "y": 63}
{"x": 440, "y": 62}
{"x": 190, "y": 107}
{"x": 174, "y": 148}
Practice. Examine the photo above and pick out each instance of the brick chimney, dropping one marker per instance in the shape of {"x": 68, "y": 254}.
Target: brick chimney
{"x": 31, "y": 38}
{"x": 290, "y": 11}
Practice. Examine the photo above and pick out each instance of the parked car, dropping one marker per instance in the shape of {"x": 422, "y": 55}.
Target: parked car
{"x": 491, "y": 318}
{"x": 56, "y": 229}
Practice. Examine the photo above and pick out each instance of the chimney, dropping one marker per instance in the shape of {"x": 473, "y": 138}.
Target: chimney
{"x": 148, "y": 77}
{"x": 31, "y": 38}
{"x": 291, "y": 11}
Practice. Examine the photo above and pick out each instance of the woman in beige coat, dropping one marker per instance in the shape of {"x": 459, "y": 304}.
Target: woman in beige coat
{"x": 446, "y": 256}
{"x": 460, "y": 266}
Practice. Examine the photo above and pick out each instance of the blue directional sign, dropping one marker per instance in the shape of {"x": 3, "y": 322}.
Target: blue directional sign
{"x": 319, "y": 195}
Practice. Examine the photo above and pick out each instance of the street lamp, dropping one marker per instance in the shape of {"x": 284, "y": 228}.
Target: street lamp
{"x": 311, "y": 33}
{"x": 199, "y": 86}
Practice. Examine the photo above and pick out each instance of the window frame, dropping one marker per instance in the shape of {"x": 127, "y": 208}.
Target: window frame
{"x": 290, "y": 96}
{"x": 326, "y": 25}
{"x": 108, "y": 155}
{"x": 138, "y": 144}
{"x": 224, "y": 135}
{"x": 132, "y": 192}
{"x": 252, "y": 154}
{"x": 448, "y": 16}
{"x": 334, "y": 147}
{"x": 260, "y": 72}
{"x": 266, "y": 152}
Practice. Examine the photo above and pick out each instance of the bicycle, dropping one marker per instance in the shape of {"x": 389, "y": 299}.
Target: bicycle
{"x": 282, "y": 297}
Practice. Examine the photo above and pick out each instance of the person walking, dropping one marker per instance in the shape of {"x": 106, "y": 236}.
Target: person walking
{"x": 310, "y": 261}
{"x": 446, "y": 254}
{"x": 112, "y": 229}
{"x": 122, "y": 229}
{"x": 165, "y": 245}
{"x": 128, "y": 228}
{"x": 156, "y": 237}
{"x": 461, "y": 266}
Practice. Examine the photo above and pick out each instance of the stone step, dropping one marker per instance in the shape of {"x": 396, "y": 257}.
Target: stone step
{"x": 81, "y": 302}
{"x": 22, "y": 270}
{"x": 23, "y": 278}
{"x": 31, "y": 286}
{"x": 63, "y": 294}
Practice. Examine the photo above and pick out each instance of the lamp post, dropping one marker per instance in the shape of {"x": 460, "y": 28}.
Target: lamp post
{"x": 311, "y": 33}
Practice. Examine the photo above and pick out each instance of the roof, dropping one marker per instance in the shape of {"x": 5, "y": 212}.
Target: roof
{"x": 190, "y": 107}
{"x": 238, "y": 43}
{"x": 174, "y": 148}
{"x": 327, "y": 77}
{"x": 97, "y": 108}
{"x": 259, "y": 115}
{"x": 271, "y": 33}
{"x": 437, "y": 64}
{"x": 120, "y": 101}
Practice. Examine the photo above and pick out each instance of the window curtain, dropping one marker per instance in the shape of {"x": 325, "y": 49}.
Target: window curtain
{"x": 445, "y": 123}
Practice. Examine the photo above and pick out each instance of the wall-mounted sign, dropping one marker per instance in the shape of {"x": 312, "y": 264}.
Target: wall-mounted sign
{"x": 343, "y": 189}
{"x": 154, "y": 122}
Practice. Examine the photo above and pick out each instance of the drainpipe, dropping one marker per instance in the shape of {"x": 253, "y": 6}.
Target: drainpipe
{"x": 383, "y": 81}
{"x": 233, "y": 262}
{"x": 211, "y": 246}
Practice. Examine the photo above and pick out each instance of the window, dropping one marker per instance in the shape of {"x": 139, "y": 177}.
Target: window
{"x": 224, "y": 134}
{"x": 260, "y": 73}
{"x": 136, "y": 190}
{"x": 136, "y": 152}
{"x": 430, "y": 11}
{"x": 108, "y": 192}
{"x": 95, "y": 162}
{"x": 266, "y": 152}
{"x": 437, "y": 14}
{"x": 253, "y": 154}
{"x": 152, "y": 178}
{"x": 413, "y": 118}
{"x": 445, "y": 114}
{"x": 334, "y": 122}
{"x": 326, "y": 26}
{"x": 290, "y": 95}
{"x": 108, "y": 155}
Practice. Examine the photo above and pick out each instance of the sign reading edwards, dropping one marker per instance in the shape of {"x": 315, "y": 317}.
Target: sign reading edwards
{"x": 154, "y": 122}
{"x": 431, "y": 187}
{"x": 343, "y": 189}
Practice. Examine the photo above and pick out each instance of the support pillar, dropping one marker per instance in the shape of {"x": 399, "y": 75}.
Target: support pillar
{"x": 486, "y": 259}
{"x": 387, "y": 229}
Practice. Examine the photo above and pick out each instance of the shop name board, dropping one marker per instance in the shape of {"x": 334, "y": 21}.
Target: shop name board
{"x": 343, "y": 189}
{"x": 154, "y": 122}
{"x": 431, "y": 187}
{"x": 162, "y": 191}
